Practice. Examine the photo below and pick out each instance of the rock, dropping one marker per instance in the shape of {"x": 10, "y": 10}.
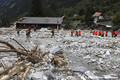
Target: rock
{"x": 51, "y": 56}
{"x": 38, "y": 76}
{"x": 99, "y": 68}
{"x": 83, "y": 45}
{"x": 93, "y": 60}
{"x": 100, "y": 61}
{"x": 91, "y": 75}
{"x": 49, "y": 75}
{"x": 55, "y": 49}
{"x": 100, "y": 56}
{"x": 107, "y": 53}
{"x": 87, "y": 57}
{"x": 109, "y": 77}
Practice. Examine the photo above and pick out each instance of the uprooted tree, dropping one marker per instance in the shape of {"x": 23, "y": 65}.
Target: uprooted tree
{"x": 34, "y": 55}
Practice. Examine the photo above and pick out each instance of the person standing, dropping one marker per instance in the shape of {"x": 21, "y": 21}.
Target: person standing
{"x": 116, "y": 33}
{"x": 79, "y": 33}
{"x": 71, "y": 32}
{"x": 18, "y": 31}
{"x": 102, "y": 33}
{"x": 29, "y": 28}
{"x": 28, "y": 33}
{"x": 106, "y": 33}
{"x": 113, "y": 33}
{"x": 93, "y": 32}
{"x": 34, "y": 29}
{"x": 52, "y": 32}
{"x": 96, "y": 33}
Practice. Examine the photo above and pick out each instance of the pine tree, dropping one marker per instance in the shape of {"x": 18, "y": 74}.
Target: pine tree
{"x": 36, "y": 8}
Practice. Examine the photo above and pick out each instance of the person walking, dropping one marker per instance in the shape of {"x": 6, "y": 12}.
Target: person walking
{"x": 77, "y": 33}
{"x": 96, "y": 33}
{"x": 106, "y": 33}
{"x": 102, "y": 33}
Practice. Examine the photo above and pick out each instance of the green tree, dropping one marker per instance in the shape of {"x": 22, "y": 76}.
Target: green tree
{"x": 116, "y": 19}
{"x": 81, "y": 12}
{"x": 67, "y": 24}
{"x": 5, "y": 21}
{"x": 36, "y": 8}
{"x": 53, "y": 9}
{"x": 88, "y": 14}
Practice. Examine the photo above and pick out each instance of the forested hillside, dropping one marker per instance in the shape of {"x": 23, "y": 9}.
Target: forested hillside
{"x": 84, "y": 8}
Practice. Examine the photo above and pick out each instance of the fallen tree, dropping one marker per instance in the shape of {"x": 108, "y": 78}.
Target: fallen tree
{"x": 32, "y": 58}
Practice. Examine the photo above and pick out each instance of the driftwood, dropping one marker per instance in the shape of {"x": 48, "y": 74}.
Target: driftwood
{"x": 16, "y": 71}
{"x": 32, "y": 58}
{"x": 34, "y": 50}
{"x": 34, "y": 55}
{"x": 59, "y": 61}
{"x": 19, "y": 44}
{"x": 4, "y": 66}
{"x": 4, "y": 47}
{"x": 7, "y": 69}
{"x": 24, "y": 75}
{"x": 8, "y": 44}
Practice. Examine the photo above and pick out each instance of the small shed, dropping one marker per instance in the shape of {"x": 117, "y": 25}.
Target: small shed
{"x": 40, "y": 22}
{"x": 97, "y": 15}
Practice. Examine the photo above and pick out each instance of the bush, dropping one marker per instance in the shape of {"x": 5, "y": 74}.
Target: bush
{"x": 81, "y": 18}
{"x": 67, "y": 24}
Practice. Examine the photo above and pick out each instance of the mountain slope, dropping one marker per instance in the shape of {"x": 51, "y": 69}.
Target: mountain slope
{"x": 6, "y": 5}
{"x": 15, "y": 8}
{"x": 21, "y": 7}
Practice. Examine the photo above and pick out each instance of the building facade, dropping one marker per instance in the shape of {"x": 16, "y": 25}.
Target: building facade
{"x": 40, "y": 22}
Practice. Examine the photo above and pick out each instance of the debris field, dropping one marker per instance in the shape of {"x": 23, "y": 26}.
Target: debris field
{"x": 87, "y": 57}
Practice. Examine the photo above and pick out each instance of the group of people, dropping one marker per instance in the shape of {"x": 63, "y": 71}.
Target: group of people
{"x": 77, "y": 33}
{"x": 114, "y": 33}
{"x": 28, "y": 31}
{"x": 100, "y": 33}
{"x": 105, "y": 33}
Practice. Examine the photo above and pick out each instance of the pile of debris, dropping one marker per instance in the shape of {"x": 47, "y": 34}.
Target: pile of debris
{"x": 34, "y": 64}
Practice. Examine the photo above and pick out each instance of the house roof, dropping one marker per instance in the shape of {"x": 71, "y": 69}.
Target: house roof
{"x": 97, "y": 14}
{"x": 41, "y": 20}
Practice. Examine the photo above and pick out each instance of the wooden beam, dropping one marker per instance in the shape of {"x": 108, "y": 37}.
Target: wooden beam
{"x": 24, "y": 75}
{"x": 15, "y": 71}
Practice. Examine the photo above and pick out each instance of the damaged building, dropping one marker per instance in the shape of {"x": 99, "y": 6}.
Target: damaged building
{"x": 40, "y": 22}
